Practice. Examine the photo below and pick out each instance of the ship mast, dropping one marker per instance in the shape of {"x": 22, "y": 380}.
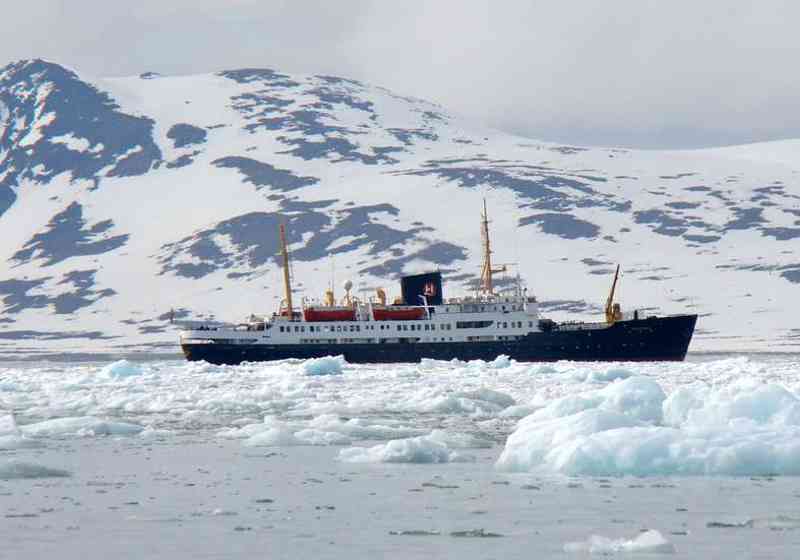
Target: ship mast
{"x": 486, "y": 286}
{"x": 613, "y": 311}
{"x": 286, "y": 280}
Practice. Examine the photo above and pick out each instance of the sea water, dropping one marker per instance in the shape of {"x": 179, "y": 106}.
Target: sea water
{"x": 325, "y": 459}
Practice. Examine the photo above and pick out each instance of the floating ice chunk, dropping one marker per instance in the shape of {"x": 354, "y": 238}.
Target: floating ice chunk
{"x": 483, "y": 394}
{"x": 777, "y": 523}
{"x": 277, "y": 436}
{"x": 9, "y": 442}
{"x": 152, "y": 433}
{"x": 360, "y": 428}
{"x": 518, "y": 411}
{"x": 121, "y": 369}
{"x": 608, "y": 376}
{"x": 457, "y": 440}
{"x": 746, "y": 399}
{"x": 638, "y": 397}
{"x": 219, "y": 512}
{"x": 318, "y": 437}
{"x": 329, "y": 365}
{"x": 556, "y": 443}
{"x": 13, "y": 469}
{"x": 479, "y": 402}
{"x": 82, "y": 425}
{"x": 8, "y": 425}
{"x": 243, "y": 432}
{"x": 682, "y": 401}
{"x": 500, "y": 362}
{"x": 651, "y": 542}
{"x": 740, "y": 429}
{"x": 410, "y": 450}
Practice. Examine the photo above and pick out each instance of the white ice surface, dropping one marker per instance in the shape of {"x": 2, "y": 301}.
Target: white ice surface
{"x": 738, "y": 416}
{"x": 421, "y": 449}
{"x": 83, "y": 425}
{"x": 649, "y": 542}
{"x": 631, "y": 427}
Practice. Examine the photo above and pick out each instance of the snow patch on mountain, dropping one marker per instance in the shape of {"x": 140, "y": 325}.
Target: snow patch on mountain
{"x": 124, "y": 198}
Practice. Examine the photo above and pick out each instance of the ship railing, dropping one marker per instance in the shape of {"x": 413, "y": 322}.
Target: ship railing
{"x": 580, "y": 326}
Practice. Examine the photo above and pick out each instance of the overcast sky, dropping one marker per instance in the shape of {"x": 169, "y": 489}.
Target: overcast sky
{"x": 643, "y": 73}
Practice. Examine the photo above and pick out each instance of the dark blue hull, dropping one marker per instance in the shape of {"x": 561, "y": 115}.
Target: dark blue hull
{"x": 651, "y": 339}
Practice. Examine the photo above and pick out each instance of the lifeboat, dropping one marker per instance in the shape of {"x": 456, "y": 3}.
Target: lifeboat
{"x": 329, "y": 314}
{"x": 398, "y": 313}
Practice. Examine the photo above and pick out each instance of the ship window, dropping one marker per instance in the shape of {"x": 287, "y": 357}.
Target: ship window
{"x": 296, "y": 329}
{"x": 338, "y": 328}
{"x": 530, "y": 323}
{"x": 281, "y": 328}
{"x": 433, "y": 327}
{"x": 472, "y": 324}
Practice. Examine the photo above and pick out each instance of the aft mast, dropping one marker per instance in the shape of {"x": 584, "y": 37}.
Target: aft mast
{"x": 486, "y": 286}
{"x": 613, "y": 310}
{"x": 286, "y": 280}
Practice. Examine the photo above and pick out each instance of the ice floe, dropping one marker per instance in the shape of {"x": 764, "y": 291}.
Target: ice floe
{"x": 732, "y": 416}
{"x": 329, "y": 365}
{"x": 648, "y": 542}
{"x": 276, "y": 436}
{"x": 83, "y": 425}
{"x": 632, "y": 427}
{"x": 121, "y": 369}
{"x": 13, "y": 469}
{"x": 421, "y": 449}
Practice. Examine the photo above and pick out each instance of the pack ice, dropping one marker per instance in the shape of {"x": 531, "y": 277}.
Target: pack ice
{"x": 631, "y": 427}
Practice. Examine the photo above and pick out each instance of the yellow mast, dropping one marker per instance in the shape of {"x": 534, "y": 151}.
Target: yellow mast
{"x": 286, "y": 281}
{"x": 613, "y": 311}
{"x": 486, "y": 269}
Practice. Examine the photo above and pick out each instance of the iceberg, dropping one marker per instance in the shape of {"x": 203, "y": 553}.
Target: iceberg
{"x": 631, "y": 427}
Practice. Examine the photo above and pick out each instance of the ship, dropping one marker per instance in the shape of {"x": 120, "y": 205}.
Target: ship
{"x": 423, "y": 324}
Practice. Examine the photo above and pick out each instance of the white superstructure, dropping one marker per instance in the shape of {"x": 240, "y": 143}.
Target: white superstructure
{"x": 469, "y": 319}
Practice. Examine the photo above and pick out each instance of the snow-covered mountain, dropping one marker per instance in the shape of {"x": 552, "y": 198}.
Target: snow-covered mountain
{"x": 123, "y": 198}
